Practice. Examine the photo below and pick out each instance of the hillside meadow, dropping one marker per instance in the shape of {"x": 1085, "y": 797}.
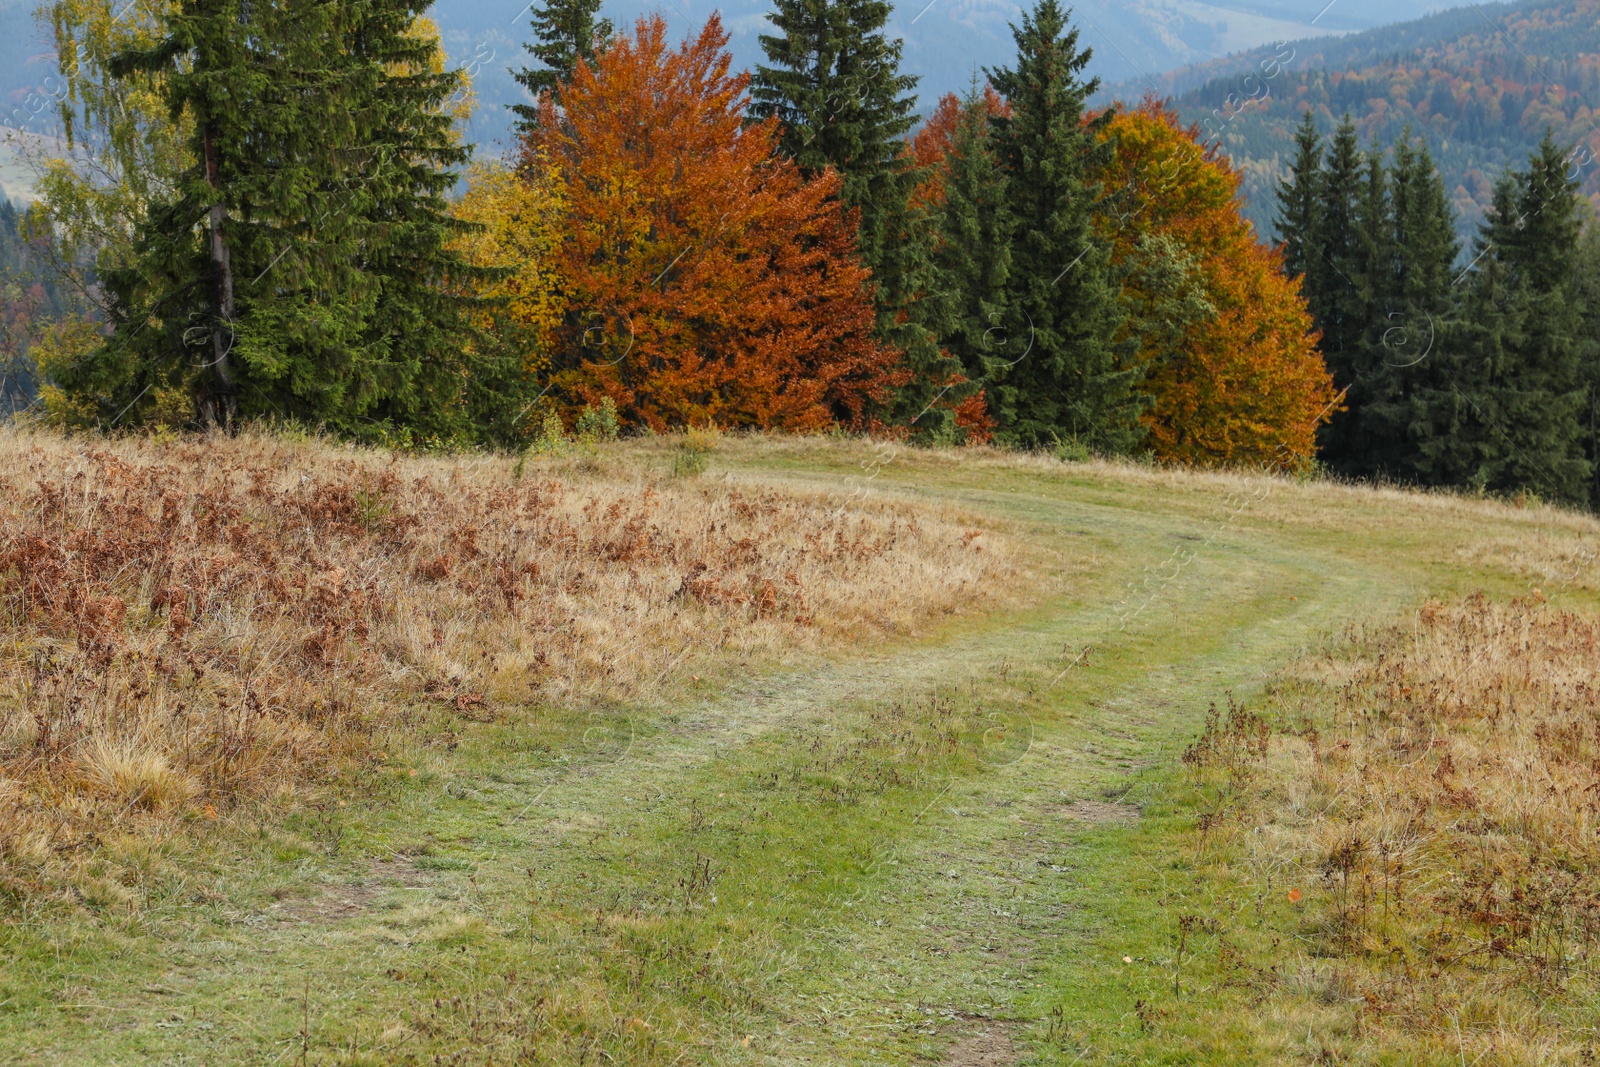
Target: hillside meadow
{"x": 203, "y": 625}
{"x": 755, "y": 749}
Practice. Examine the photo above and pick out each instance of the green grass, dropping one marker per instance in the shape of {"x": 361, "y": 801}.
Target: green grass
{"x": 851, "y": 862}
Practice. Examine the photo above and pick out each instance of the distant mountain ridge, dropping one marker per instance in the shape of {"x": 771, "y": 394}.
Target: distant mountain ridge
{"x": 1481, "y": 84}
{"x": 1336, "y": 51}
{"x": 945, "y": 41}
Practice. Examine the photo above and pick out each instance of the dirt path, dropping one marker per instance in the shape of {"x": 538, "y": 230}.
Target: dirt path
{"x": 765, "y": 876}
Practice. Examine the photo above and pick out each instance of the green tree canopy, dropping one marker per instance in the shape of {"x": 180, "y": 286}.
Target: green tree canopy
{"x": 564, "y": 31}
{"x": 1508, "y": 408}
{"x": 1070, "y": 382}
{"x": 298, "y": 265}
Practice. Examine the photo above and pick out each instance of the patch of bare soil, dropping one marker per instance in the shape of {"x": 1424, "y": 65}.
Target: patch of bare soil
{"x": 350, "y": 899}
{"x": 1098, "y": 811}
{"x": 991, "y": 1048}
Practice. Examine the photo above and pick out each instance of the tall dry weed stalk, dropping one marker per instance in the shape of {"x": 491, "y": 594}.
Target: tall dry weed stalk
{"x": 191, "y": 624}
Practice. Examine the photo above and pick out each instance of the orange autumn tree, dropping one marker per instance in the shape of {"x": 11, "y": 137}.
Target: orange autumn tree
{"x": 1232, "y": 369}
{"x": 705, "y": 280}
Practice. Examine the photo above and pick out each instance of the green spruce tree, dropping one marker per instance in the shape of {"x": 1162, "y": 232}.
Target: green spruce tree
{"x": 564, "y": 32}
{"x": 973, "y": 257}
{"x": 1338, "y": 299}
{"x": 1417, "y": 311}
{"x": 1369, "y": 279}
{"x": 1299, "y": 198}
{"x": 417, "y": 378}
{"x": 1588, "y": 295}
{"x": 176, "y": 307}
{"x": 1069, "y": 382}
{"x": 1509, "y": 408}
{"x": 1375, "y": 247}
{"x": 835, "y": 85}
{"x": 311, "y": 288}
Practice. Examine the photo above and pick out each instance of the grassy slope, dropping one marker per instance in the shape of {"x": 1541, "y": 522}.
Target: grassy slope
{"x": 793, "y": 868}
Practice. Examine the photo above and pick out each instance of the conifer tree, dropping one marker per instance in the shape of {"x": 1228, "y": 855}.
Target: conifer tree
{"x": 1339, "y": 302}
{"x": 1376, "y": 246}
{"x": 1071, "y": 382}
{"x": 1507, "y": 411}
{"x": 1417, "y": 308}
{"x": 320, "y": 153}
{"x": 835, "y": 86}
{"x": 837, "y": 91}
{"x": 1424, "y": 242}
{"x": 176, "y": 307}
{"x": 973, "y": 257}
{"x": 410, "y": 158}
{"x": 1368, "y": 277}
{"x": 564, "y": 32}
{"x": 1299, "y": 198}
{"x": 1588, "y": 296}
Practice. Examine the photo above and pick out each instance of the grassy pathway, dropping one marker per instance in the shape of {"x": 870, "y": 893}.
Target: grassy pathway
{"x": 917, "y": 854}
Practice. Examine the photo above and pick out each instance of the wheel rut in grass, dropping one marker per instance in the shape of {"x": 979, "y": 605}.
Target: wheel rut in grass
{"x": 918, "y": 935}
{"x": 985, "y": 889}
{"x": 952, "y": 906}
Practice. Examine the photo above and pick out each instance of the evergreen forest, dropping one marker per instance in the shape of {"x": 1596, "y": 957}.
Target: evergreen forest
{"x": 269, "y": 213}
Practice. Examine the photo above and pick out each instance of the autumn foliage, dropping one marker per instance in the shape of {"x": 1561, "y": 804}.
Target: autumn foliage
{"x": 1244, "y": 383}
{"x": 706, "y": 281}
{"x": 518, "y": 217}
{"x": 659, "y": 250}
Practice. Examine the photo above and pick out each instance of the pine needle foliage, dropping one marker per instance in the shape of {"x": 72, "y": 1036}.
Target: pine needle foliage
{"x": 1509, "y": 410}
{"x": 564, "y": 32}
{"x": 1071, "y": 380}
{"x": 973, "y": 256}
{"x": 301, "y": 266}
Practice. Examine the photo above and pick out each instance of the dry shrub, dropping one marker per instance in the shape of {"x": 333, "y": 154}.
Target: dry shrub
{"x": 195, "y": 623}
{"x": 1445, "y": 812}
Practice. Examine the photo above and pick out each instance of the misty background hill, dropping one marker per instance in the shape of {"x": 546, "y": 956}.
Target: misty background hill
{"x": 946, "y": 42}
{"x": 1482, "y": 84}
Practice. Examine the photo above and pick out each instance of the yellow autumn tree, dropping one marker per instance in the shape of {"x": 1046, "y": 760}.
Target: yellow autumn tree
{"x": 465, "y": 99}
{"x": 1229, "y": 352}
{"x": 518, "y": 215}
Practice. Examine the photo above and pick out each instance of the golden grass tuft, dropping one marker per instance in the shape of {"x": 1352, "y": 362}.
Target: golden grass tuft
{"x": 198, "y": 623}
{"x": 133, "y": 772}
{"x": 1543, "y": 557}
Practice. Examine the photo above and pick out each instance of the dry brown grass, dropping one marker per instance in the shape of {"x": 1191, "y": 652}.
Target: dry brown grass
{"x": 1438, "y": 799}
{"x": 1520, "y": 536}
{"x": 1543, "y": 557}
{"x": 191, "y": 624}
